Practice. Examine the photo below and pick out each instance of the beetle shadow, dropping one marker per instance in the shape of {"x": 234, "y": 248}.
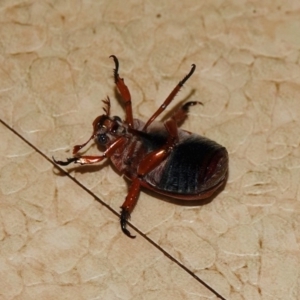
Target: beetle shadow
{"x": 177, "y": 107}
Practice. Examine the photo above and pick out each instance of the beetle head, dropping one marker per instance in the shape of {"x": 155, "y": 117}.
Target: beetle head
{"x": 105, "y": 128}
{"x": 108, "y": 129}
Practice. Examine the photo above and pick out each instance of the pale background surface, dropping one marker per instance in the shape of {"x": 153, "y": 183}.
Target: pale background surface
{"x": 57, "y": 241}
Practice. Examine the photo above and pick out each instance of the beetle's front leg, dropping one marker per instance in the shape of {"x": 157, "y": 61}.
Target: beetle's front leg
{"x": 83, "y": 160}
{"x": 87, "y": 160}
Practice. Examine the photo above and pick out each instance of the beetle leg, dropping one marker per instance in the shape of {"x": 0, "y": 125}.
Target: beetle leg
{"x": 170, "y": 97}
{"x": 146, "y": 165}
{"x": 156, "y": 157}
{"x": 129, "y": 205}
{"x": 64, "y": 163}
{"x": 181, "y": 113}
{"x": 124, "y": 91}
{"x": 85, "y": 160}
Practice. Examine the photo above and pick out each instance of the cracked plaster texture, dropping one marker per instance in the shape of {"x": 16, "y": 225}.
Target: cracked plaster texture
{"x": 57, "y": 241}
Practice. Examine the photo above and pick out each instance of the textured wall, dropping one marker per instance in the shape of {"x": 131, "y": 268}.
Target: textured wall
{"x": 57, "y": 241}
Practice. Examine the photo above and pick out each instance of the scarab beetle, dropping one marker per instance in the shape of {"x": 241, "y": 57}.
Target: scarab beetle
{"x": 155, "y": 155}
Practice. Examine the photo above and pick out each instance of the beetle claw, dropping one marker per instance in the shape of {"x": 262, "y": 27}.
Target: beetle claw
{"x": 125, "y": 215}
{"x": 65, "y": 163}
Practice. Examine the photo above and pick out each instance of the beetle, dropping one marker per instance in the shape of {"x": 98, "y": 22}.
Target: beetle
{"x": 156, "y": 155}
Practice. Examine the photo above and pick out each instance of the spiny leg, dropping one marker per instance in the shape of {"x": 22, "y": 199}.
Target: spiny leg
{"x": 124, "y": 91}
{"x": 170, "y": 97}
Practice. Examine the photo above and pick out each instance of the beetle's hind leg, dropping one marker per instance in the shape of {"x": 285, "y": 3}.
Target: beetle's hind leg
{"x": 170, "y": 97}
{"x": 125, "y": 216}
{"x": 129, "y": 205}
{"x": 181, "y": 113}
{"x": 146, "y": 165}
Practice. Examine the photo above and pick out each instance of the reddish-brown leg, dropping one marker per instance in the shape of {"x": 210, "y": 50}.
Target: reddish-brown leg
{"x": 170, "y": 97}
{"x": 129, "y": 204}
{"x": 147, "y": 164}
{"x": 124, "y": 91}
{"x": 85, "y": 160}
{"x": 181, "y": 113}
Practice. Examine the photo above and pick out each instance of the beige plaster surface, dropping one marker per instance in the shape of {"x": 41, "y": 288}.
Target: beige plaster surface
{"x": 57, "y": 241}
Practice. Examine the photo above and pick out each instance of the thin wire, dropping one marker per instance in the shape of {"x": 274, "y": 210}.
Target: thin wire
{"x": 116, "y": 213}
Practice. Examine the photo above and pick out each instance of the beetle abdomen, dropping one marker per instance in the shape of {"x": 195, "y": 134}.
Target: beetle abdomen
{"x": 195, "y": 165}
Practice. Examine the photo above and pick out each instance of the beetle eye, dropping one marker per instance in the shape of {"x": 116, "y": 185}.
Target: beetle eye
{"x": 102, "y": 139}
{"x": 116, "y": 118}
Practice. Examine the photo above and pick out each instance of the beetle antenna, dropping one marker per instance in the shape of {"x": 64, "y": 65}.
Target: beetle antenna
{"x": 116, "y": 70}
{"x": 78, "y": 147}
{"x": 107, "y": 106}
